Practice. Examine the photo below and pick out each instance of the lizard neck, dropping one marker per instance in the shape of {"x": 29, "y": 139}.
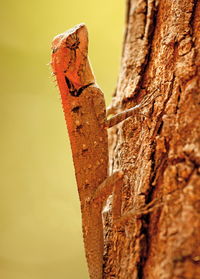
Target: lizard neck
{"x": 81, "y": 75}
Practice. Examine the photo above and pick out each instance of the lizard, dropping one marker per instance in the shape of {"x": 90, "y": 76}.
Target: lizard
{"x": 85, "y": 114}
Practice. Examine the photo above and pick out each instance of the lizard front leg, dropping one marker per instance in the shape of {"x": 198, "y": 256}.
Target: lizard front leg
{"x": 119, "y": 117}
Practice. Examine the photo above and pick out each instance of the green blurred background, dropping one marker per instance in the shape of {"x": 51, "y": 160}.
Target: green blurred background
{"x": 40, "y": 228}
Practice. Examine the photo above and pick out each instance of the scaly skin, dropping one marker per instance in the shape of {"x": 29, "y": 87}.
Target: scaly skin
{"x": 85, "y": 114}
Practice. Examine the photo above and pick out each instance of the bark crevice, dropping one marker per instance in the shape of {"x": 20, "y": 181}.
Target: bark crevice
{"x": 159, "y": 153}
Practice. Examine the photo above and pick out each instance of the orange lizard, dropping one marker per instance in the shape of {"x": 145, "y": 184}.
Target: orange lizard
{"x": 85, "y": 113}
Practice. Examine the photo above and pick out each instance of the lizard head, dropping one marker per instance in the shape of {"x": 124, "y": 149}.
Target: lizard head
{"x": 70, "y": 56}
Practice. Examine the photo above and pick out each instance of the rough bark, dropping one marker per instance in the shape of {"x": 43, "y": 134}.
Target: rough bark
{"x": 159, "y": 149}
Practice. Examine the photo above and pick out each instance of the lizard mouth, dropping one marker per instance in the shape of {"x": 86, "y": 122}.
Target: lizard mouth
{"x": 56, "y": 42}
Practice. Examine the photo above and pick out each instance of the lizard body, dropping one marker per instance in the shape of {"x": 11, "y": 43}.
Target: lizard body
{"x": 85, "y": 114}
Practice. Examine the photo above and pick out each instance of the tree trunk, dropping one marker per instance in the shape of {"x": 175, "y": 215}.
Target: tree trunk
{"x": 159, "y": 148}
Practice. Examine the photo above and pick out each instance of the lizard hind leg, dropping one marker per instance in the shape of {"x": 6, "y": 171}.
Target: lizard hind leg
{"x": 111, "y": 185}
{"x": 94, "y": 232}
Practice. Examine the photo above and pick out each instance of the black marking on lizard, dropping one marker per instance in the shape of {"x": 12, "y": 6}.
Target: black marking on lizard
{"x": 54, "y": 50}
{"x": 73, "y": 46}
{"x": 73, "y": 91}
{"x": 76, "y": 109}
{"x": 73, "y": 43}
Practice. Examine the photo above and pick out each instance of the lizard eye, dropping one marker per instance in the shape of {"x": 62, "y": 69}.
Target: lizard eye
{"x": 72, "y": 43}
{"x": 76, "y": 44}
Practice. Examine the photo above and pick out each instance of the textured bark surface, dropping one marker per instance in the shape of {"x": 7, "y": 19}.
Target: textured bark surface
{"x": 159, "y": 149}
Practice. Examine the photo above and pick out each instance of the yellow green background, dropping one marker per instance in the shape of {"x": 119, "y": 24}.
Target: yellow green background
{"x": 40, "y": 225}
